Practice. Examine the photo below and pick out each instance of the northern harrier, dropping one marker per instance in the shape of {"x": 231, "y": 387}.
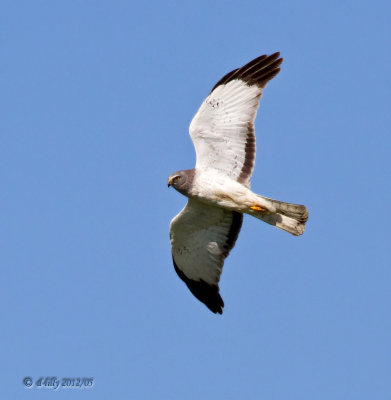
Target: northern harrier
{"x": 218, "y": 188}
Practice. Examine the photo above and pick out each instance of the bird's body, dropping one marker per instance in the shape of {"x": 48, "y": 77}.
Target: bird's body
{"x": 218, "y": 188}
{"x": 215, "y": 189}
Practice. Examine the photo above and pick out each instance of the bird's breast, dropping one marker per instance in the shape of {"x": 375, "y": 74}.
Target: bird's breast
{"x": 218, "y": 190}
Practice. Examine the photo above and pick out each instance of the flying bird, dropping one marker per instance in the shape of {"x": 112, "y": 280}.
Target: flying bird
{"x": 218, "y": 188}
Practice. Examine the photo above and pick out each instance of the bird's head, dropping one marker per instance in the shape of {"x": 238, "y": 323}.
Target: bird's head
{"x": 181, "y": 180}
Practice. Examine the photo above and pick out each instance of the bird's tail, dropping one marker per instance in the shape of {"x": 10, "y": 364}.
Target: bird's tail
{"x": 286, "y": 216}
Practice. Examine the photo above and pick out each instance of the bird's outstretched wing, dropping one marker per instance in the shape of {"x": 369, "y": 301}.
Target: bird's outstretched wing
{"x": 223, "y": 128}
{"x": 201, "y": 238}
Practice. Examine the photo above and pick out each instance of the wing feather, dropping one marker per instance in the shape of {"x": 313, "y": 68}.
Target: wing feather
{"x": 201, "y": 238}
{"x": 223, "y": 128}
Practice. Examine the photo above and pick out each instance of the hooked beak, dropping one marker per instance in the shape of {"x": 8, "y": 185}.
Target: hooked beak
{"x": 169, "y": 182}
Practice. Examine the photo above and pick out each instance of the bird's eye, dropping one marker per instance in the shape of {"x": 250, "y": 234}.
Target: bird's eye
{"x": 177, "y": 178}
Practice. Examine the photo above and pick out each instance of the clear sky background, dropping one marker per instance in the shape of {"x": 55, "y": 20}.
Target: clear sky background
{"x": 96, "y": 98}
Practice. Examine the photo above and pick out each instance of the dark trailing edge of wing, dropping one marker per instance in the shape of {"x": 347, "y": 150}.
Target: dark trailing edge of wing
{"x": 257, "y": 72}
{"x": 209, "y": 294}
{"x": 249, "y": 152}
{"x": 236, "y": 224}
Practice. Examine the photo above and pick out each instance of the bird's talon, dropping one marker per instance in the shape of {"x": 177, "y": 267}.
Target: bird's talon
{"x": 257, "y": 207}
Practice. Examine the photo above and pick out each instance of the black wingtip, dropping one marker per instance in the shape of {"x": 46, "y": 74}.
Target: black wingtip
{"x": 207, "y": 294}
{"x": 257, "y": 72}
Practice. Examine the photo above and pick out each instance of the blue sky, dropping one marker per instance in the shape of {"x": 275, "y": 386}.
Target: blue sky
{"x": 96, "y": 98}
